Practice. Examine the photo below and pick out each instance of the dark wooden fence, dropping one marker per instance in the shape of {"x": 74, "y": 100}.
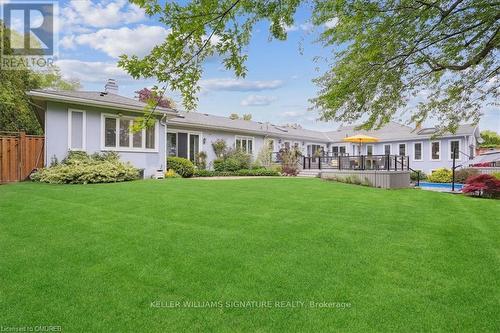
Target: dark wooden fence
{"x": 20, "y": 154}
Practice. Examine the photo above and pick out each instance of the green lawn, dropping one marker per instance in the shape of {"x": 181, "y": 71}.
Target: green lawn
{"x": 108, "y": 258}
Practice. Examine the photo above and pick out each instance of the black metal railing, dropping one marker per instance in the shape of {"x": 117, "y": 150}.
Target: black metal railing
{"x": 360, "y": 162}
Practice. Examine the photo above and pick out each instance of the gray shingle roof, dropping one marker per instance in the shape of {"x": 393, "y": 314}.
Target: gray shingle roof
{"x": 394, "y": 131}
{"x": 246, "y": 126}
{"x": 96, "y": 96}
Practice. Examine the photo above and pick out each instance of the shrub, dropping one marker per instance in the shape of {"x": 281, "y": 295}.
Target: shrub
{"x": 233, "y": 160}
{"x": 289, "y": 159}
{"x": 462, "y": 175}
{"x": 219, "y": 147}
{"x": 483, "y": 185}
{"x": 441, "y": 175}
{"x": 201, "y": 160}
{"x": 172, "y": 174}
{"x": 182, "y": 166}
{"x": 496, "y": 175}
{"x": 80, "y": 168}
{"x": 414, "y": 175}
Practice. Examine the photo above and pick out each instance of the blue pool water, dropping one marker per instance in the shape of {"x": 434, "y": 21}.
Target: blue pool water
{"x": 440, "y": 186}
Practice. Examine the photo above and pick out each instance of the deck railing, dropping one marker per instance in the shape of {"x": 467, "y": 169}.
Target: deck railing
{"x": 360, "y": 162}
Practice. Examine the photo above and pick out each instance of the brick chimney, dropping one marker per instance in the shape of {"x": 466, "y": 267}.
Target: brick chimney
{"x": 111, "y": 87}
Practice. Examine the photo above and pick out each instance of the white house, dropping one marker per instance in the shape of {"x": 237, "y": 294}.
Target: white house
{"x": 99, "y": 121}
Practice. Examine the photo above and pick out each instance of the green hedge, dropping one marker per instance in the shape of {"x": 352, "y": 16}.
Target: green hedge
{"x": 243, "y": 172}
{"x": 81, "y": 168}
{"x": 182, "y": 166}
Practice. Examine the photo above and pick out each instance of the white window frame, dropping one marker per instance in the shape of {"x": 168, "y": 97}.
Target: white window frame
{"x": 450, "y": 158}
{"x": 373, "y": 150}
{"x": 421, "y": 151}
{"x": 84, "y": 129}
{"x": 240, "y": 137}
{"x": 406, "y": 148}
{"x": 430, "y": 150}
{"x": 143, "y": 148}
{"x": 390, "y": 148}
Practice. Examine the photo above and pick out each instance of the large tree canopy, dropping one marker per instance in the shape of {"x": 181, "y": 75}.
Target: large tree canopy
{"x": 385, "y": 52}
{"x": 16, "y": 109}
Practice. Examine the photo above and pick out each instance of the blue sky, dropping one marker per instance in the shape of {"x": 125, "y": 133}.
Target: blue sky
{"x": 277, "y": 88}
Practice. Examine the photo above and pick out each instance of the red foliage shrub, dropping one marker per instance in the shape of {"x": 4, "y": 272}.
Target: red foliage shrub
{"x": 483, "y": 185}
{"x": 146, "y": 95}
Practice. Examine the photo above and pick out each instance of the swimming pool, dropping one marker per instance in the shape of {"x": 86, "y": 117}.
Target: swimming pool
{"x": 440, "y": 186}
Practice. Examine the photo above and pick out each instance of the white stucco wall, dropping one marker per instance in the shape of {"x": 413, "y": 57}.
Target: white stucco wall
{"x": 56, "y": 136}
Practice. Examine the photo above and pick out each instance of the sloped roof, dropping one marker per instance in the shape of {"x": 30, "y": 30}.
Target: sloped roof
{"x": 394, "y": 131}
{"x": 97, "y": 97}
{"x": 204, "y": 120}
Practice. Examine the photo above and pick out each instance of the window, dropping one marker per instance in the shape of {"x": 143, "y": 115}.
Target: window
{"x": 335, "y": 150}
{"x": 118, "y": 134}
{"x": 342, "y": 149}
{"x": 76, "y": 130}
{"x": 417, "y": 151}
{"x": 454, "y": 149}
{"x": 369, "y": 150}
{"x": 110, "y": 132}
{"x": 387, "y": 149}
{"x": 245, "y": 144}
{"x": 402, "y": 149}
{"x": 171, "y": 144}
{"x": 124, "y": 133}
{"x": 435, "y": 150}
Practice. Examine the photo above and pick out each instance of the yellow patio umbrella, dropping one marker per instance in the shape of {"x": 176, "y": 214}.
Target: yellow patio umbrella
{"x": 360, "y": 138}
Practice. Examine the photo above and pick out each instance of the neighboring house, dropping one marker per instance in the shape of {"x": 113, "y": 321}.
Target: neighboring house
{"x": 99, "y": 121}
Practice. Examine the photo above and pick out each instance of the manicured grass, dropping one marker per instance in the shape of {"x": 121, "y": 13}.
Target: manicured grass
{"x": 93, "y": 258}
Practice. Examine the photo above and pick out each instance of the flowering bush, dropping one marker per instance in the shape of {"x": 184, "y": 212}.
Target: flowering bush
{"x": 172, "y": 174}
{"x": 289, "y": 159}
{"x": 483, "y": 185}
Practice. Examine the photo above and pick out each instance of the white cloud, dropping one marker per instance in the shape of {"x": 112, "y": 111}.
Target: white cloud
{"x": 239, "y": 85}
{"x": 93, "y": 72}
{"x": 101, "y": 15}
{"x": 332, "y": 23}
{"x": 115, "y": 42}
{"x": 306, "y": 27}
{"x": 257, "y": 100}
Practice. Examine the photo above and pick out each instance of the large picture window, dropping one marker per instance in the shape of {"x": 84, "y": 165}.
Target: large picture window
{"x": 76, "y": 129}
{"x": 118, "y": 135}
{"x": 245, "y": 144}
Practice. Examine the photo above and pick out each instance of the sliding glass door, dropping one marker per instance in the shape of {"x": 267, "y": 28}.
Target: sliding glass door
{"x": 183, "y": 144}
